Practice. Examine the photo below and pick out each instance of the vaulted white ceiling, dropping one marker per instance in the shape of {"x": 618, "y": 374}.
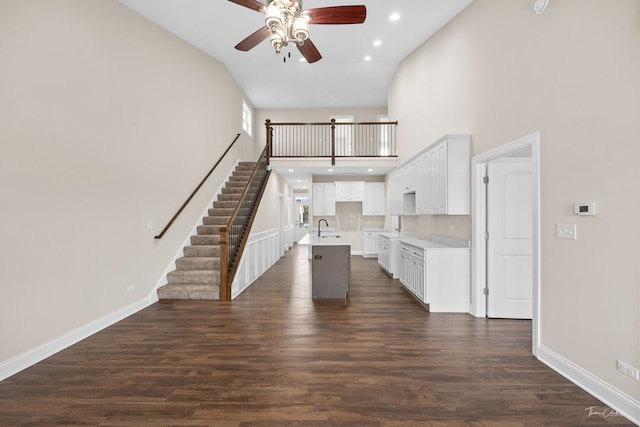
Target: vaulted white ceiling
{"x": 342, "y": 78}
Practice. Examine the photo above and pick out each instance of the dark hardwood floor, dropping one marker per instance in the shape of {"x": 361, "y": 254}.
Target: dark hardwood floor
{"x": 274, "y": 358}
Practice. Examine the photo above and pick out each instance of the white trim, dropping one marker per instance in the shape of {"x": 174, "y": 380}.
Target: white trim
{"x": 478, "y": 306}
{"x": 48, "y": 349}
{"x": 620, "y": 402}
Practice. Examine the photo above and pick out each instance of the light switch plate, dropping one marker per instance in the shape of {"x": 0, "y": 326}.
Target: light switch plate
{"x": 566, "y": 231}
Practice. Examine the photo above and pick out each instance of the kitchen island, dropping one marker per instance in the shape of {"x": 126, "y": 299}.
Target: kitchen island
{"x": 330, "y": 267}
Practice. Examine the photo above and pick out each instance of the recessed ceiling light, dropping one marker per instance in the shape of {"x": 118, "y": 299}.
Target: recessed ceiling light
{"x": 330, "y": 170}
{"x": 302, "y": 59}
{"x": 377, "y": 43}
{"x": 394, "y": 16}
{"x": 299, "y": 181}
{"x": 369, "y": 170}
{"x": 367, "y": 58}
{"x": 290, "y": 170}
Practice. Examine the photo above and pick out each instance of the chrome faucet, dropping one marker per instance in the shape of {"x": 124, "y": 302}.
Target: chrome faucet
{"x": 325, "y": 221}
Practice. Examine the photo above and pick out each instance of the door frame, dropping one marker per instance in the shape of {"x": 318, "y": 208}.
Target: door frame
{"x": 478, "y": 306}
{"x": 281, "y": 223}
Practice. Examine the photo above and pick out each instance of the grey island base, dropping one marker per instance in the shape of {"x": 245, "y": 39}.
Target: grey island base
{"x": 330, "y": 268}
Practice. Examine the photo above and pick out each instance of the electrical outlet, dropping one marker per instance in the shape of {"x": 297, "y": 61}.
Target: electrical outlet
{"x": 628, "y": 370}
{"x": 131, "y": 288}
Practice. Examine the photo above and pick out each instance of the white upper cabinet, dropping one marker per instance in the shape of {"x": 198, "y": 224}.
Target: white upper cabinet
{"x": 374, "y": 195}
{"x": 453, "y": 176}
{"x": 349, "y": 191}
{"x": 422, "y": 177}
{"x": 439, "y": 176}
{"x": 324, "y": 198}
{"x": 396, "y": 205}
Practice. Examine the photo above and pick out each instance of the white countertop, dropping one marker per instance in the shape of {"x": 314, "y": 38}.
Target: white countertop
{"x": 396, "y": 235}
{"x": 438, "y": 242}
{"x": 314, "y": 240}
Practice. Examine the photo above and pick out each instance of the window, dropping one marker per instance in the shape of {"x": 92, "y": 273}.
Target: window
{"x": 247, "y": 118}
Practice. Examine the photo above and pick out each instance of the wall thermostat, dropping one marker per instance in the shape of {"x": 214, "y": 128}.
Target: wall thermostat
{"x": 585, "y": 208}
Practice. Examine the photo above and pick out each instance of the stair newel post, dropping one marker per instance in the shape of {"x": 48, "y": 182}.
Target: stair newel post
{"x": 269, "y": 139}
{"x": 225, "y": 288}
{"x": 333, "y": 141}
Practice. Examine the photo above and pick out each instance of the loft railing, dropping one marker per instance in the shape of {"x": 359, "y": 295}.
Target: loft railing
{"x": 332, "y": 140}
{"x": 184, "y": 205}
{"x": 234, "y": 236}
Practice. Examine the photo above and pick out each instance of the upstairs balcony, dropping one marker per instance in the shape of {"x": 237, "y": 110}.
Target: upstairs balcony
{"x": 332, "y": 141}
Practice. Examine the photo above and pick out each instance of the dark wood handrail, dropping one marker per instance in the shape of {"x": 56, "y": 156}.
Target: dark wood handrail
{"x": 164, "y": 230}
{"x": 246, "y": 189}
{"x": 227, "y": 272}
{"x": 336, "y": 123}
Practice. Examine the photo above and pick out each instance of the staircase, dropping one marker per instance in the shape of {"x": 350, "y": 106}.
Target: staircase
{"x": 197, "y": 273}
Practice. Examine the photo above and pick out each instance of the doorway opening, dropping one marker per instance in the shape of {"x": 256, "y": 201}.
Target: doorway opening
{"x": 301, "y": 216}
{"x": 527, "y": 148}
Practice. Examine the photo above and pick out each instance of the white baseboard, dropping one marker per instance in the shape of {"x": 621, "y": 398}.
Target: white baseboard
{"x": 38, "y": 354}
{"x": 618, "y": 401}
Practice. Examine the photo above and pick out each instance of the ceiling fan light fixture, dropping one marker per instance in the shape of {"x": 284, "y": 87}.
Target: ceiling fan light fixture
{"x": 273, "y": 16}
{"x": 301, "y": 30}
{"x": 278, "y": 40}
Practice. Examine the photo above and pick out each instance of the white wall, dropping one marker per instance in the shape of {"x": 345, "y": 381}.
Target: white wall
{"x": 499, "y": 72}
{"x": 106, "y": 122}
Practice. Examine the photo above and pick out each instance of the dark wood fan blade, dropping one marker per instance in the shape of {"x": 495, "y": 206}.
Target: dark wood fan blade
{"x": 309, "y": 51}
{"x": 254, "y": 39}
{"x": 338, "y": 15}
{"x": 251, "y": 4}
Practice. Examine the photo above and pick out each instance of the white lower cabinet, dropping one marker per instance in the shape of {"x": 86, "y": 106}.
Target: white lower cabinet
{"x": 370, "y": 242}
{"x": 389, "y": 251}
{"x": 384, "y": 254}
{"x": 436, "y": 273}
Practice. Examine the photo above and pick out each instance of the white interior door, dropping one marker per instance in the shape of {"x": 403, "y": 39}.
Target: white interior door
{"x": 510, "y": 241}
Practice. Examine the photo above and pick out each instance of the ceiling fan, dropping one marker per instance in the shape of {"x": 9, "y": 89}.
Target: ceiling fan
{"x": 286, "y": 21}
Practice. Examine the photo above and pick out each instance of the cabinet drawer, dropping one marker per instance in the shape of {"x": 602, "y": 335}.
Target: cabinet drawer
{"x": 418, "y": 254}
